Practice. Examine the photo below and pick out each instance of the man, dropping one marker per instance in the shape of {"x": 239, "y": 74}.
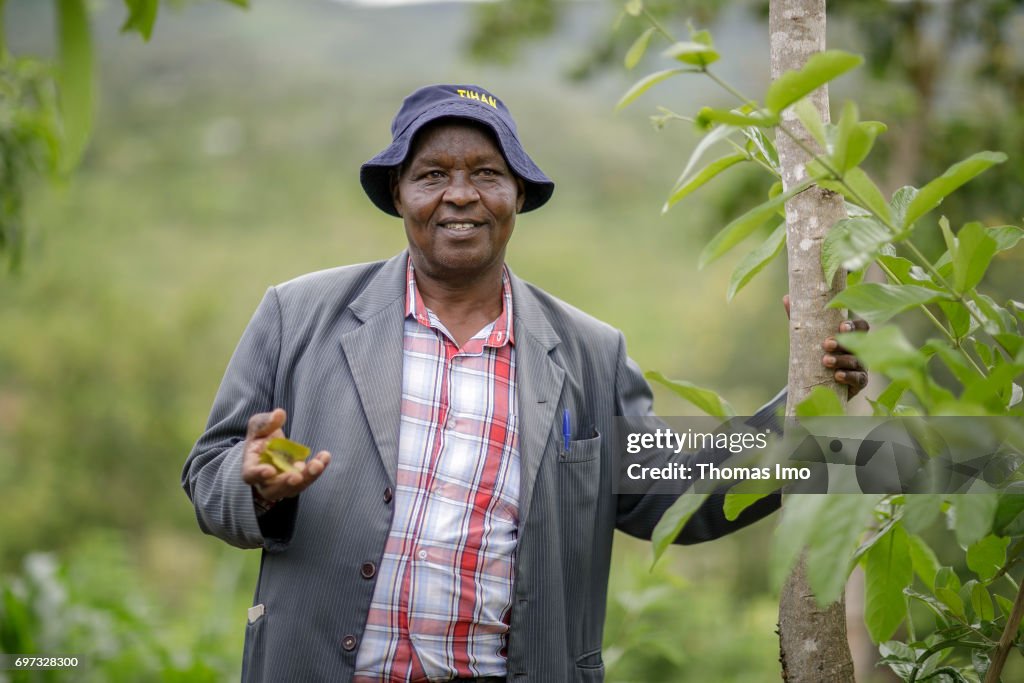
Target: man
{"x": 457, "y": 522}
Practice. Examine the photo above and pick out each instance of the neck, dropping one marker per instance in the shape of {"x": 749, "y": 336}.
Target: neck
{"x": 463, "y": 304}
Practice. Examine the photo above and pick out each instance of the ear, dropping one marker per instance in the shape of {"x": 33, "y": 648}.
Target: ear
{"x": 393, "y": 176}
{"x": 521, "y": 197}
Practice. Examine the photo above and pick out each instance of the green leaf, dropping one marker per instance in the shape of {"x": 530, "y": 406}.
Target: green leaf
{"x": 735, "y": 503}
{"x": 920, "y": 511}
{"x": 705, "y": 399}
{"x": 926, "y": 564}
{"x": 634, "y": 7}
{"x": 901, "y": 199}
{"x": 754, "y": 262}
{"x": 693, "y": 52}
{"x": 1011, "y": 506}
{"x": 75, "y": 78}
{"x": 730, "y": 117}
{"x": 702, "y": 177}
{"x": 741, "y": 228}
{"x": 947, "y": 578}
{"x": 953, "y": 360}
{"x": 1005, "y": 605}
{"x": 951, "y": 599}
{"x": 819, "y": 70}
{"x": 283, "y": 454}
{"x": 672, "y": 522}
{"x": 811, "y": 119}
{"x": 852, "y": 243}
{"x": 860, "y": 142}
{"x": 141, "y": 17}
{"x": 1013, "y": 343}
{"x": 985, "y": 557}
{"x": 717, "y": 134}
{"x": 800, "y": 514}
{"x": 899, "y": 657}
{"x": 932, "y": 194}
{"x": 645, "y": 84}
{"x": 974, "y": 514}
{"x": 860, "y": 189}
{"x": 889, "y": 397}
{"x": 822, "y": 401}
{"x": 959, "y": 316}
{"x": 906, "y": 272}
{"x": 756, "y": 138}
{"x": 974, "y": 253}
{"x": 877, "y": 303}
{"x": 887, "y": 571}
{"x": 885, "y": 350}
{"x": 845, "y": 130}
{"x": 1006, "y": 236}
{"x": 833, "y": 540}
{"x": 981, "y": 603}
{"x": 636, "y": 51}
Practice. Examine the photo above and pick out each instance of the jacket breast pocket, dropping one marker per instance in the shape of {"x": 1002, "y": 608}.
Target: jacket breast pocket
{"x": 583, "y": 450}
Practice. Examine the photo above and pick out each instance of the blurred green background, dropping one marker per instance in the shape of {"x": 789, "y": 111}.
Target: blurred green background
{"x": 225, "y": 159}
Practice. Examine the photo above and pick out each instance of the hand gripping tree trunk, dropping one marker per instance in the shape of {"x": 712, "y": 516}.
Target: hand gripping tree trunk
{"x": 812, "y": 640}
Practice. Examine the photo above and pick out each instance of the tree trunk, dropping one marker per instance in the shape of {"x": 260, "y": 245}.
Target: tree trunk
{"x": 812, "y": 640}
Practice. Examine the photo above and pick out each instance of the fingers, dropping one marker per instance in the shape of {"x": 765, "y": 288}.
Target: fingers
{"x": 854, "y": 326}
{"x": 265, "y": 424}
{"x": 291, "y": 484}
{"x": 841, "y": 362}
{"x": 785, "y": 304}
{"x": 855, "y": 380}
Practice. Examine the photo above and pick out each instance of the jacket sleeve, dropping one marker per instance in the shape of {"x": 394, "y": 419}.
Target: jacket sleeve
{"x": 638, "y": 514}
{"x": 212, "y": 476}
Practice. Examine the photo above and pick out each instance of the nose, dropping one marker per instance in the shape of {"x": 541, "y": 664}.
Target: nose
{"x": 460, "y": 190}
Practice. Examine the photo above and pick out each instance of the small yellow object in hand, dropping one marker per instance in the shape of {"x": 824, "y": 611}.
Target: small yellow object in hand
{"x": 282, "y": 454}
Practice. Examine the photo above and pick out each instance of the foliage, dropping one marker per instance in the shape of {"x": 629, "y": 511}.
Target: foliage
{"x": 981, "y": 347}
{"x": 94, "y": 606}
{"x": 46, "y": 110}
{"x": 945, "y": 75}
{"x": 728, "y": 635}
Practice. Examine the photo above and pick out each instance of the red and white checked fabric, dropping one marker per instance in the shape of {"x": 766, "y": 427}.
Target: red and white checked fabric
{"x": 441, "y": 604}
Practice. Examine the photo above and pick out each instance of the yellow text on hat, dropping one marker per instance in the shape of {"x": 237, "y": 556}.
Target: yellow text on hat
{"x": 474, "y": 95}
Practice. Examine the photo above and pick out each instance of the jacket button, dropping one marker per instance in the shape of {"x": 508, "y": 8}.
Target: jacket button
{"x": 368, "y": 570}
{"x": 349, "y": 643}
{"x": 388, "y": 494}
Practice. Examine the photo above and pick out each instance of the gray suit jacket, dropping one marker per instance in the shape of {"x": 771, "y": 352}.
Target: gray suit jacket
{"x": 327, "y": 347}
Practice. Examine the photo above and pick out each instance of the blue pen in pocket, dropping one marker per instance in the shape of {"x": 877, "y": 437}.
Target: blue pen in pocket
{"x": 566, "y": 432}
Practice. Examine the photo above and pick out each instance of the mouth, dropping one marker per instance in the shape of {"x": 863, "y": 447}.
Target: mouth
{"x": 460, "y": 227}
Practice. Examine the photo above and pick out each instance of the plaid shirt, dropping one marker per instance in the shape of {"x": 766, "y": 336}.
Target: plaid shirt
{"x": 441, "y": 604}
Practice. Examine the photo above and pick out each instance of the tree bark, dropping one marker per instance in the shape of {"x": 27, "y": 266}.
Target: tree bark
{"x": 812, "y": 641}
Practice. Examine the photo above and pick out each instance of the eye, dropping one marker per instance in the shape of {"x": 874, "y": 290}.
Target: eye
{"x": 488, "y": 173}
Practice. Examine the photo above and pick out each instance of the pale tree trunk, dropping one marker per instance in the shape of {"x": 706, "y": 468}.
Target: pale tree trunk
{"x": 812, "y": 640}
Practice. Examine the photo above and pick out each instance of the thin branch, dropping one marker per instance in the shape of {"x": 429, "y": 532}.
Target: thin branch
{"x": 1006, "y": 640}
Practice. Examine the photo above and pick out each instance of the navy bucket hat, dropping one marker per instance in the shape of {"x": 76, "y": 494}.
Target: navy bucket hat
{"x": 459, "y": 101}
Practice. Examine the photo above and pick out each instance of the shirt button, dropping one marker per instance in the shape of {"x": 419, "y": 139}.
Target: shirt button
{"x": 348, "y": 643}
{"x": 368, "y": 570}
{"x": 388, "y": 494}
{"x": 422, "y": 554}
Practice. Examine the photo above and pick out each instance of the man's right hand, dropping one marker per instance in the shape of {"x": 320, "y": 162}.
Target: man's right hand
{"x": 270, "y": 484}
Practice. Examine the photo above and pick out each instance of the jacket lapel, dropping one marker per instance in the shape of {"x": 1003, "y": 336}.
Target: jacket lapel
{"x": 539, "y": 381}
{"x": 374, "y": 354}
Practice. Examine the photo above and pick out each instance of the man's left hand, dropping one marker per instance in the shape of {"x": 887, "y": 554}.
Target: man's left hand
{"x": 846, "y": 366}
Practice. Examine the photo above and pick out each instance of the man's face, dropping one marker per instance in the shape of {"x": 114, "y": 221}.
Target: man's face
{"x": 459, "y": 200}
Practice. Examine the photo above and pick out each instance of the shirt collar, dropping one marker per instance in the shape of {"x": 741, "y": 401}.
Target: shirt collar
{"x": 501, "y": 332}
